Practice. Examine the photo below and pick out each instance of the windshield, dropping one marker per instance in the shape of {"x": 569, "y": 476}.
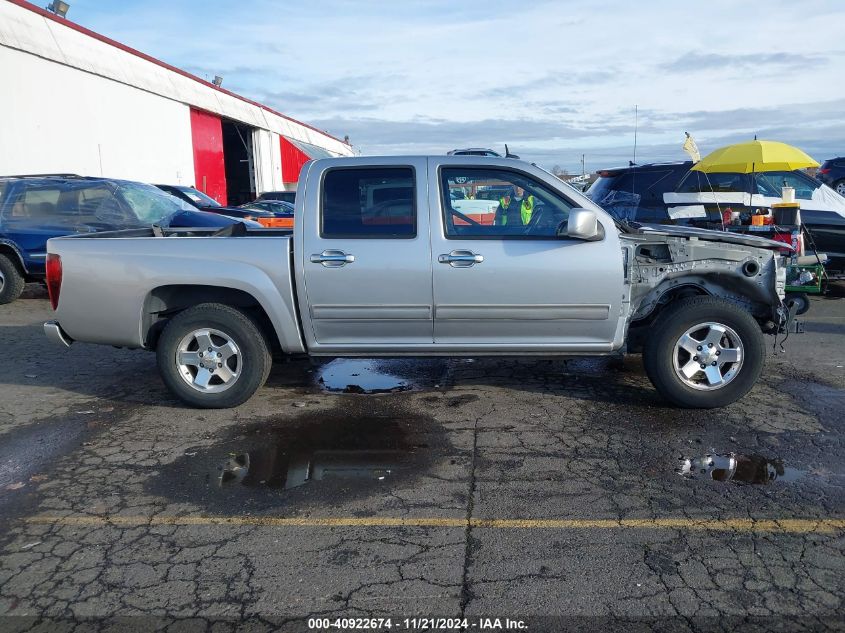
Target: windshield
{"x": 150, "y": 203}
{"x": 199, "y": 197}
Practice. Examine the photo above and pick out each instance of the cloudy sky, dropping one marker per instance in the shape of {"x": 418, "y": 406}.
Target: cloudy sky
{"x": 554, "y": 80}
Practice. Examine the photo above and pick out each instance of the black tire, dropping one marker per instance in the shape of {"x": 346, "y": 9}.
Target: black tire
{"x": 678, "y": 317}
{"x": 11, "y": 280}
{"x": 254, "y": 355}
{"x": 800, "y": 300}
{"x": 839, "y": 186}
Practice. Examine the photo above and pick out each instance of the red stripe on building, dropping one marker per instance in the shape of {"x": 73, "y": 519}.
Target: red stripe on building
{"x": 293, "y": 159}
{"x": 209, "y": 166}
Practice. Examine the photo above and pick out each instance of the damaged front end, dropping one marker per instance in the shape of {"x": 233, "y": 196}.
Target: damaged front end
{"x": 664, "y": 265}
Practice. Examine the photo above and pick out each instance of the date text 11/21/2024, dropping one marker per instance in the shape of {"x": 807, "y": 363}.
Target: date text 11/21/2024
{"x": 416, "y": 624}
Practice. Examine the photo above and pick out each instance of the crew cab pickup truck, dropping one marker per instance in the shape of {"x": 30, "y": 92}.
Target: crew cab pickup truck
{"x": 380, "y": 263}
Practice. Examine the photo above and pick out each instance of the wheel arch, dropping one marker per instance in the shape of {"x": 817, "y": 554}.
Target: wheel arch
{"x": 164, "y": 302}
{"x": 739, "y": 290}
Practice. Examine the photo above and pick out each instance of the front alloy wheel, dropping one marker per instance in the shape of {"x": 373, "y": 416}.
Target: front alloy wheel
{"x": 704, "y": 352}
{"x": 708, "y": 356}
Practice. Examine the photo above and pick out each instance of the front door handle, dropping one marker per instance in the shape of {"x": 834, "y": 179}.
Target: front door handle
{"x": 461, "y": 259}
{"x": 332, "y": 259}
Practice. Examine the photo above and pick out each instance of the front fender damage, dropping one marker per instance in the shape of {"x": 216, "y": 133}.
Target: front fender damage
{"x": 662, "y": 268}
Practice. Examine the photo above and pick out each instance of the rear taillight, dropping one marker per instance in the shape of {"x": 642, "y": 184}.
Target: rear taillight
{"x": 54, "y": 278}
{"x": 824, "y": 170}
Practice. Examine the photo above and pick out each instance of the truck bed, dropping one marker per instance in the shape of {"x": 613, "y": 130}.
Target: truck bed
{"x": 110, "y": 279}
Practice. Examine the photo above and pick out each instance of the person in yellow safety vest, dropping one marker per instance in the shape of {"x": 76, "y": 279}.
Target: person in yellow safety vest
{"x": 515, "y": 209}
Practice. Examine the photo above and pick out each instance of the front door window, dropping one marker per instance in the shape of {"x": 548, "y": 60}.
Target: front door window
{"x": 496, "y": 203}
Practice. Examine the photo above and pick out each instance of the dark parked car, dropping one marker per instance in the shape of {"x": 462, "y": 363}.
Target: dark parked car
{"x": 286, "y": 196}
{"x": 273, "y": 206}
{"x": 636, "y": 192}
{"x": 203, "y": 202}
{"x": 280, "y": 213}
{"x": 649, "y": 193}
{"x": 35, "y": 208}
{"x": 832, "y": 173}
{"x": 192, "y": 196}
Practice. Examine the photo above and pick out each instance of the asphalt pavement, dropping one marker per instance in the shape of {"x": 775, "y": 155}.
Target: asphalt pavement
{"x": 551, "y": 494}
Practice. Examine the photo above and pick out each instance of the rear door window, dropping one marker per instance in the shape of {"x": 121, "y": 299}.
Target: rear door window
{"x": 91, "y": 202}
{"x": 700, "y": 182}
{"x": 369, "y": 202}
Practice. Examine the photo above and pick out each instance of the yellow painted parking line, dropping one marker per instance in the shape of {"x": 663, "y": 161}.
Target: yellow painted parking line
{"x": 795, "y": 526}
{"x": 723, "y": 525}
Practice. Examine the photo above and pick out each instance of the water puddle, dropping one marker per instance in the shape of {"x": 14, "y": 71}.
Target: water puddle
{"x": 367, "y": 376}
{"x": 361, "y": 449}
{"x": 737, "y": 467}
{"x": 317, "y": 457}
{"x": 275, "y": 468}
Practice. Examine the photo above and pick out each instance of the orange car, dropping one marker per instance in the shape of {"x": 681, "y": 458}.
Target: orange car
{"x": 282, "y": 213}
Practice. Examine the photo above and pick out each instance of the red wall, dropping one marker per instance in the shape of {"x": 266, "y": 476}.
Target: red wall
{"x": 293, "y": 159}
{"x": 209, "y": 168}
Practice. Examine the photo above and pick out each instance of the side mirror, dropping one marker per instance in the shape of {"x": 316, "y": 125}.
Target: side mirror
{"x": 582, "y": 225}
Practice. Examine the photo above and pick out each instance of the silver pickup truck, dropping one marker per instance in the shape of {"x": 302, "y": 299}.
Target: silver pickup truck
{"x": 426, "y": 256}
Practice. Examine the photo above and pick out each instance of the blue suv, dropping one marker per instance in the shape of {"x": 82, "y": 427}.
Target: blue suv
{"x": 35, "y": 208}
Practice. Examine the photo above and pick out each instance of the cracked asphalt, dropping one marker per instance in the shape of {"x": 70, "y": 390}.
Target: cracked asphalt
{"x": 543, "y": 490}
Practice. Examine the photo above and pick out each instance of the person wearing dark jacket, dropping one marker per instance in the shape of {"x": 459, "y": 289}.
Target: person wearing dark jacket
{"x": 515, "y": 209}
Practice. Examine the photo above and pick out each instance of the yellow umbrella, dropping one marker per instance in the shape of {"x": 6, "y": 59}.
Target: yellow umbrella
{"x": 754, "y": 156}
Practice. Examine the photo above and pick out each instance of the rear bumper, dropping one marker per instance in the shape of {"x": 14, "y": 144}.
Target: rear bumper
{"x": 56, "y": 335}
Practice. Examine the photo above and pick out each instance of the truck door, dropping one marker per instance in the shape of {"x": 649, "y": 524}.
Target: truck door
{"x": 365, "y": 256}
{"x": 508, "y": 282}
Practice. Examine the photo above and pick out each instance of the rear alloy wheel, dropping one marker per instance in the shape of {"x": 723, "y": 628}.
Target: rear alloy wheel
{"x": 11, "y": 280}
{"x": 209, "y": 360}
{"x": 213, "y": 356}
{"x": 839, "y": 187}
{"x": 704, "y": 352}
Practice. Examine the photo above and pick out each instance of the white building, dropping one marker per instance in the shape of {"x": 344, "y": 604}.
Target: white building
{"x": 74, "y": 101}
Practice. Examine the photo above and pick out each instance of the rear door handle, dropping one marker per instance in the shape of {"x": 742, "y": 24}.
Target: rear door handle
{"x": 460, "y": 259}
{"x": 332, "y": 259}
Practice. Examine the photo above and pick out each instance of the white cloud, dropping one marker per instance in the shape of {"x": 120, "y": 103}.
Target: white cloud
{"x": 552, "y": 79}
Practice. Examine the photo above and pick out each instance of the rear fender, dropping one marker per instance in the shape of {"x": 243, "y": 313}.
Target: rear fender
{"x": 273, "y": 317}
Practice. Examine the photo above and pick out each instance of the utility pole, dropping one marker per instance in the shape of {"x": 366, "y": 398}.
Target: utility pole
{"x": 583, "y": 172}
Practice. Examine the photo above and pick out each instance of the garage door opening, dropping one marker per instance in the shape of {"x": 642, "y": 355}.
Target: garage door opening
{"x": 238, "y": 159}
